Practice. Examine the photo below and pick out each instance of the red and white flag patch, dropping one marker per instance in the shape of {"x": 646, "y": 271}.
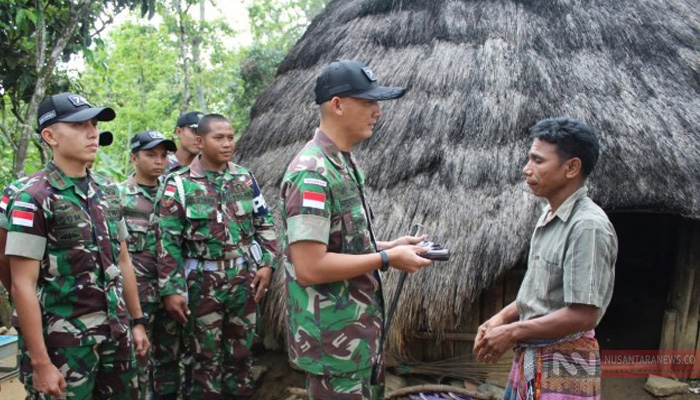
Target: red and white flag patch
{"x": 23, "y": 218}
{"x": 313, "y": 200}
{"x": 3, "y": 203}
{"x": 169, "y": 191}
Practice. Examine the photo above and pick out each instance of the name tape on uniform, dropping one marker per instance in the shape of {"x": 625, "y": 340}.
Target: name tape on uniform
{"x": 23, "y": 218}
{"x": 314, "y": 181}
{"x": 313, "y": 200}
{"x": 24, "y": 204}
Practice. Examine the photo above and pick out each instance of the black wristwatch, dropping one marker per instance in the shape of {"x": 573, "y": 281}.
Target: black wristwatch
{"x": 385, "y": 261}
{"x": 140, "y": 321}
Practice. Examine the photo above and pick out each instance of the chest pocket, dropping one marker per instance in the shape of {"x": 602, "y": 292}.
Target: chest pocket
{"x": 113, "y": 209}
{"x": 547, "y": 276}
{"x": 71, "y": 225}
{"x": 201, "y": 214}
{"x": 137, "y": 224}
{"x": 239, "y": 203}
{"x": 355, "y": 230}
{"x": 239, "y": 198}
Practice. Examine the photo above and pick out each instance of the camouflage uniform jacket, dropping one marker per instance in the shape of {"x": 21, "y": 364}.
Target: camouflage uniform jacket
{"x": 139, "y": 213}
{"x": 5, "y": 197}
{"x": 210, "y": 216}
{"x": 76, "y": 237}
{"x": 333, "y": 328}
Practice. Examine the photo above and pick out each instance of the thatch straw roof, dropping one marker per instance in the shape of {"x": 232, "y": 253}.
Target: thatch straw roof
{"x": 449, "y": 154}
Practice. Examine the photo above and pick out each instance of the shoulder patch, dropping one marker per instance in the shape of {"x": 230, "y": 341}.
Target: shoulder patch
{"x": 23, "y": 218}
{"x": 169, "y": 191}
{"x": 313, "y": 200}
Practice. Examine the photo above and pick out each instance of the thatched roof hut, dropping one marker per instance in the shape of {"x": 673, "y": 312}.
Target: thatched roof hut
{"x": 449, "y": 154}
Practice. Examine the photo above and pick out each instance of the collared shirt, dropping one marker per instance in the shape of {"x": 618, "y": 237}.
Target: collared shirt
{"x": 205, "y": 215}
{"x": 173, "y": 163}
{"x": 139, "y": 213}
{"x": 76, "y": 237}
{"x": 333, "y": 328}
{"x": 571, "y": 260}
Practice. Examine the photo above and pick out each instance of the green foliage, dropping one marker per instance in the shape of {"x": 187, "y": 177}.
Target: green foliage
{"x": 134, "y": 72}
{"x": 139, "y": 67}
{"x": 30, "y": 33}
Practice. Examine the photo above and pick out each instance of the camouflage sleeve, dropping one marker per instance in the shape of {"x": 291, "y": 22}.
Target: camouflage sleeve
{"x": 307, "y": 207}
{"x": 26, "y": 235}
{"x": 4, "y": 202}
{"x": 264, "y": 226}
{"x": 171, "y": 223}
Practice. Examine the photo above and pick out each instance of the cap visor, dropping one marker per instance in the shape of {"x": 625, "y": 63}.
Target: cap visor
{"x": 106, "y": 138}
{"x": 99, "y": 113}
{"x": 381, "y": 93}
{"x": 169, "y": 145}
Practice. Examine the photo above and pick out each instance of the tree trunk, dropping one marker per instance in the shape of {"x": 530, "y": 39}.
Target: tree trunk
{"x": 196, "y": 43}
{"x": 182, "y": 41}
{"x": 45, "y": 68}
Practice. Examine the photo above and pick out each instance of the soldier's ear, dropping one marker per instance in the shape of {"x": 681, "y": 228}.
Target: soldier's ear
{"x": 49, "y": 136}
{"x": 133, "y": 157}
{"x": 199, "y": 141}
{"x": 336, "y": 106}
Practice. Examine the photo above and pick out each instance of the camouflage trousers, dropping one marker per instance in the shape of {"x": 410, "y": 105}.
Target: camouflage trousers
{"x": 102, "y": 371}
{"x": 220, "y": 332}
{"x": 159, "y": 372}
{"x": 353, "y": 386}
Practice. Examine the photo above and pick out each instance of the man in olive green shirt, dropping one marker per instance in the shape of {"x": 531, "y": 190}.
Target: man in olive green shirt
{"x": 570, "y": 275}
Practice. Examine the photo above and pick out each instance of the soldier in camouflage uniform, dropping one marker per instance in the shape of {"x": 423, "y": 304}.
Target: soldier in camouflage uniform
{"x": 159, "y": 373}
{"x": 335, "y": 306}
{"x": 5, "y": 278}
{"x": 216, "y": 247}
{"x": 72, "y": 280}
{"x": 186, "y": 131}
{"x": 5, "y": 197}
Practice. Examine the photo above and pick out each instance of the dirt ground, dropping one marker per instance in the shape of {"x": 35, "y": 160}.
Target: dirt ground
{"x": 279, "y": 376}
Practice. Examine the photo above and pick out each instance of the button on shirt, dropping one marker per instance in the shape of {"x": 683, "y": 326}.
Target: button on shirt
{"x": 571, "y": 260}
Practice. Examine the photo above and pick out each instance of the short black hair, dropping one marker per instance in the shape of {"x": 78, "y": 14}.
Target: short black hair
{"x": 205, "y": 123}
{"x": 572, "y": 137}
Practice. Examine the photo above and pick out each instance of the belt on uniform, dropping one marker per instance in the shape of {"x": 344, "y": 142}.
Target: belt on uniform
{"x": 192, "y": 264}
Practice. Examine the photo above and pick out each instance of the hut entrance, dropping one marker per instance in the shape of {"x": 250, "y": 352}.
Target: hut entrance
{"x": 648, "y": 245}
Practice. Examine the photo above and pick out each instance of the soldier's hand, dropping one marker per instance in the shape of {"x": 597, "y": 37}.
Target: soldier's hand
{"x": 140, "y": 340}
{"x": 48, "y": 379}
{"x": 261, "y": 282}
{"x": 176, "y": 307}
{"x": 406, "y": 258}
{"x": 406, "y": 240}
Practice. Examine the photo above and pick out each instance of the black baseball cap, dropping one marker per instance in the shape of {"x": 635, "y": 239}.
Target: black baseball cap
{"x": 347, "y": 78}
{"x": 189, "y": 119}
{"x": 106, "y": 138}
{"x": 149, "y": 139}
{"x": 70, "y": 107}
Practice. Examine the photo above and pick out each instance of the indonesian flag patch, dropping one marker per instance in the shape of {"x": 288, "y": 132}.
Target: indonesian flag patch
{"x": 313, "y": 200}
{"x": 3, "y": 203}
{"x": 169, "y": 191}
{"x": 23, "y": 218}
